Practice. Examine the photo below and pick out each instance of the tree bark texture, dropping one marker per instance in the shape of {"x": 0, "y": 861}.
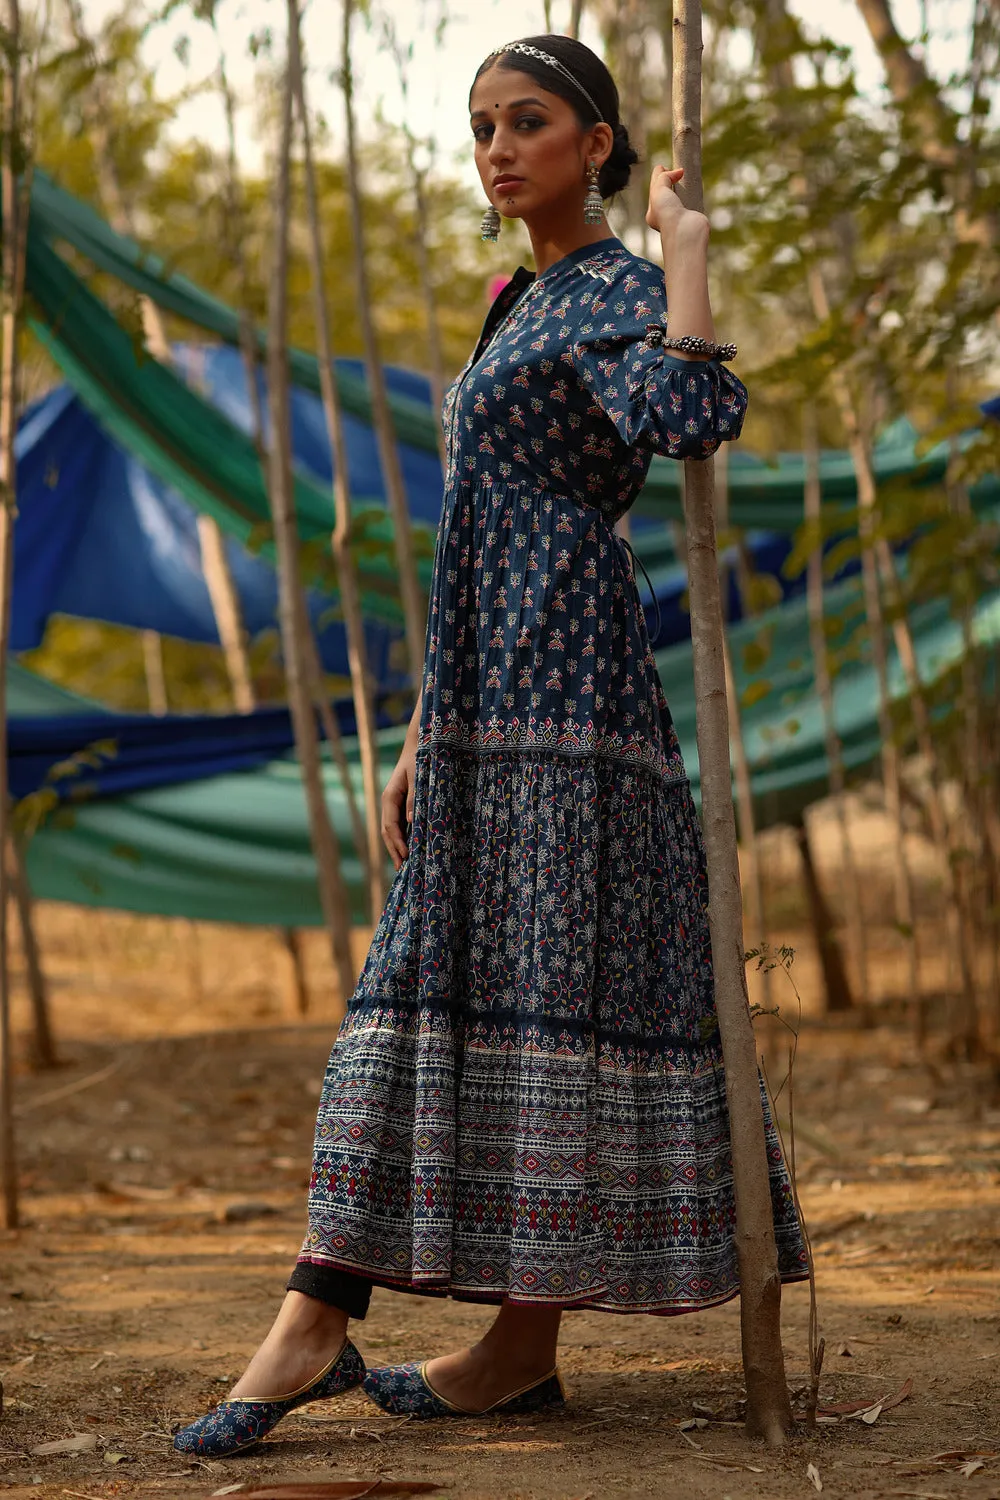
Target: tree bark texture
{"x": 768, "y": 1408}
{"x": 362, "y": 689}
{"x": 414, "y": 606}
{"x": 333, "y": 893}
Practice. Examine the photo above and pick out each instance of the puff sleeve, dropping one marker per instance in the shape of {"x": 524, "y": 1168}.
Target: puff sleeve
{"x": 680, "y": 408}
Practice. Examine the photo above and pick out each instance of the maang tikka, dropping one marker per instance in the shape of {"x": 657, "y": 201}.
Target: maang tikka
{"x": 593, "y": 204}
{"x": 490, "y": 228}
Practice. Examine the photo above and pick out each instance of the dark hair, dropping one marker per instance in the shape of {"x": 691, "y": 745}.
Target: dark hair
{"x": 586, "y": 66}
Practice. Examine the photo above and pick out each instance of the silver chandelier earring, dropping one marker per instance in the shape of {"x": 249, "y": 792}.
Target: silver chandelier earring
{"x": 593, "y": 204}
{"x": 489, "y": 229}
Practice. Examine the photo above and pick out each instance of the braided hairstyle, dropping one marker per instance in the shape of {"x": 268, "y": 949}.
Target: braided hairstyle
{"x": 585, "y": 65}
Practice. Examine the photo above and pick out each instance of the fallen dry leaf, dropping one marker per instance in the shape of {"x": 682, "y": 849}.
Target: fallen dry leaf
{"x": 872, "y": 1414}
{"x": 855, "y": 1408}
{"x": 969, "y": 1468}
{"x": 80, "y": 1442}
{"x": 341, "y": 1489}
{"x": 812, "y": 1474}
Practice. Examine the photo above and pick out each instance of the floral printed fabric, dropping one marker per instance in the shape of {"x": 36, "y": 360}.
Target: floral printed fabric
{"x": 527, "y": 1097}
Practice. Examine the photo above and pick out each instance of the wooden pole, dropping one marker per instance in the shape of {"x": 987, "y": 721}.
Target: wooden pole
{"x": 768, "y": 1408}
{"x": 414, "y": 608}
{"x": 12, "y": 254}
{"x": 369, "y": 838}
{"x": 813, "y": 502}
{"x": 333, "y": 893}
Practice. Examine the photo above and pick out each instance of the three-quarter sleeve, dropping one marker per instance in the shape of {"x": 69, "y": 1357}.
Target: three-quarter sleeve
{"x": 681, "y": 408}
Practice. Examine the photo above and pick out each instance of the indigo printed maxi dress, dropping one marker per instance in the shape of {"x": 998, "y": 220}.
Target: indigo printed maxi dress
{"x": 527, "y": 1099}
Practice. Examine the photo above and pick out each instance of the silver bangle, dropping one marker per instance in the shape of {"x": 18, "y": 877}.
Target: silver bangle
{"x": 689, "y": 343}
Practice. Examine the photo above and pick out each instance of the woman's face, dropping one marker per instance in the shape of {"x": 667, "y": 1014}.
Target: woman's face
{"x": 531, "y": 152}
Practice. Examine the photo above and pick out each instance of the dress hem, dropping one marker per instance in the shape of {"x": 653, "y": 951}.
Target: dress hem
{"x": 495, "y": 1299}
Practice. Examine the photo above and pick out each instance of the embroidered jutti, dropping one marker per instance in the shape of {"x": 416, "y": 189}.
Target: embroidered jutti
{"x": 527, "y": 1098}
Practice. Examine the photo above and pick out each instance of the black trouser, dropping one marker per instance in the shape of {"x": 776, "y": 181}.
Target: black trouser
{"x": 343, "y": 1289}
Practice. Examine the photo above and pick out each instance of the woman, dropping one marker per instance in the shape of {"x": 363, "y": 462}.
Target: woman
{"x": 526, "y": 1103}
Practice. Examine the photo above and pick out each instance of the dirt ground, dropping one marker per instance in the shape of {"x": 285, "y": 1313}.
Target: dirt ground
{"x": 163, "y": 1168}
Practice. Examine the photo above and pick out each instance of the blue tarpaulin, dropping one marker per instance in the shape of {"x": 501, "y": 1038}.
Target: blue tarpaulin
{"x": 101, "y": 538}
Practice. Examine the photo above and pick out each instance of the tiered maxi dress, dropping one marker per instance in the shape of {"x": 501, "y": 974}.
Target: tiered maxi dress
{"x": 527, "y": 1098}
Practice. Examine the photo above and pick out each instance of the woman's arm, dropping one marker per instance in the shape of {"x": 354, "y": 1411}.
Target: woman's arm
{"x": 684, "y": 236}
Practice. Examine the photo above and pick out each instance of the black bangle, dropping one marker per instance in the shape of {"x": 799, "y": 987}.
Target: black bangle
{"x": 690, "y": 343}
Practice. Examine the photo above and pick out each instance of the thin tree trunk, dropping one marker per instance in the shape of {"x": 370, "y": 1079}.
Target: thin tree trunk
{"x": 751, "y": 876}
{"x": 966, "y": 1034}
{"x": 824, "y": 689}
{"x": 228, "y": 614}
{"x": 43, "y": 1051}
{"x": 347, "y": 576}
{"x": 768, "y": 1408}
{"x": 234, "y": 224}
{"x": 414, "y": 608}
{"x": 983, "y": 871}
{"x": 14, "y": 211}
{"x": 867, "y": 501}
{"x": 297, "y": 1003}
{"x": 835, "y": 981}
{"x": 334, "y": 738}
{"x": 154, "y": 673}
{"x": 333, "y": 894}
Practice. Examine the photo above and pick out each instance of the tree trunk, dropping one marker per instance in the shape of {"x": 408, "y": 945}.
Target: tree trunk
{"x": 824, "y": 688}
{"x": 347, "y": 576}
{"x": 867, "y": 501}
{"x": 966, "y": 1033}
{"x": 14, "y": 211}
{"x": 835, "y": 981}
{"x": 333, "y": 894}
{"x": 43, "y": 1051}
{"x": 331, "y": 731}
{"x": 414, "y": 608}
{"x": 768, "y": 1408}
{"x": 297, "y": 1003}
{"x": 155, "y": 674}
{"x": 228, "y": 614}
{"x": 752, "y": 882}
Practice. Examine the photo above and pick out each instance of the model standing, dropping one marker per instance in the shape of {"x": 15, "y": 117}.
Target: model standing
{"x": 526, "y": 1103}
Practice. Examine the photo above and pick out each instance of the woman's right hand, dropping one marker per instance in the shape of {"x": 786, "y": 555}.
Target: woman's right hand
{"x": 397, "y": 799}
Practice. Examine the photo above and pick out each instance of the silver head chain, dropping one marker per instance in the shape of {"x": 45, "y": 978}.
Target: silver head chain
{"x": 550, "y": 62}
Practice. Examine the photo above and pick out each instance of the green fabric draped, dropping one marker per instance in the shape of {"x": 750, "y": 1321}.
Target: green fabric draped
{"x": 236, "y": 848}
